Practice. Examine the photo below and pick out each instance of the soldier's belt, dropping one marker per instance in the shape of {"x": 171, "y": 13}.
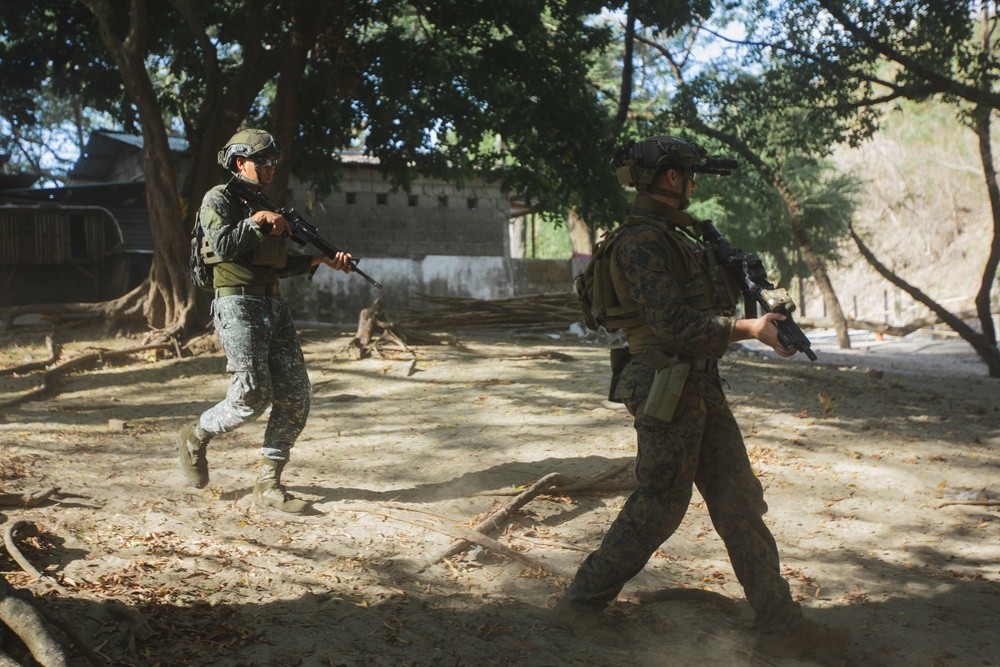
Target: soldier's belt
{"x": 248, "y": 290}
{"x": 659, "y": 359}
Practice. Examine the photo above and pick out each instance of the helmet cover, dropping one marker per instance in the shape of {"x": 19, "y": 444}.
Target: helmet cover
{"x": 247, "y": 144}
{"x": 636, "y": 164}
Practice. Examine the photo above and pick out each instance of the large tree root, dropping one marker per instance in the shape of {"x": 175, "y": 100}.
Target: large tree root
{"x": 64, "y": 367}
{"x": 30, "y": 623}
{"x": 28, "y": 498}
{"x": 30, "y": 627}
{"x": 126, "y": 307}
{"x": 35, "y": 365}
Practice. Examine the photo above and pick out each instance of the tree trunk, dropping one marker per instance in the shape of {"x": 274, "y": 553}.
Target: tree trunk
{"x": 983, "y": 300}
{"x": 581, "y": 236}
{"x": 985, "y": 348}
{"x": 816, "y": 265}
{"x": 516, "y": 236}
{"x": 171, "y": 298}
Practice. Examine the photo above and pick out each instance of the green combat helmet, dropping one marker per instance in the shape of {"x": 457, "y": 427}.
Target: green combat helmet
{"x": 248, "y": 143}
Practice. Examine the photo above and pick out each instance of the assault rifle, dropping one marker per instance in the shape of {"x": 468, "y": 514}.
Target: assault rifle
{"x": 749, "y": 272}
{"x": 302, "y": 231}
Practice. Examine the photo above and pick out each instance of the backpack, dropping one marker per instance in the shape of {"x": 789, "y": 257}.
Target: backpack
{"x": 595, "y": 290}
{"x": 202, "y": 274}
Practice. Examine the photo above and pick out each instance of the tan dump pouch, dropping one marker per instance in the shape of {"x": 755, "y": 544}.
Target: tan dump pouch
{"x": 667, "y": 391}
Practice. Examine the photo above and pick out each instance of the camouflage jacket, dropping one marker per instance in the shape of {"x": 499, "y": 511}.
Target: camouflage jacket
{"x": 686, "y": 303}
{"x": 249, "y": 257}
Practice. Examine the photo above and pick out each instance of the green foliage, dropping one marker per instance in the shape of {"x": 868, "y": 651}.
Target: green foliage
{"x": 455, "y": 87}
{"x": 446, "y": 87}
{"x": 547, "y": 238}
{"x": 55, "y": 84}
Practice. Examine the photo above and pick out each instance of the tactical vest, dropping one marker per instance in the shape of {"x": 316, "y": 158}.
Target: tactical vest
{"x": 705, "y": 285}
{"x": 272, "y": 251}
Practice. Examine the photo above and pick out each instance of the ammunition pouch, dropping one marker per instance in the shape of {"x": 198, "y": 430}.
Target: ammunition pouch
{"x": 272, "y": 251}
{"x": 208, "y": 255}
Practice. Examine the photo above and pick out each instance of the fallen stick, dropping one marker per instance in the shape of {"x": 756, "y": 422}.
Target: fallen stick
{"x": 594, "y": 483}
{"x": 986, "y": 503}
{"x": 27, "y": 499}
{"x": 15, "y": 553}
{"x": 467, "y": 535}
{"x": 497, "y": 517}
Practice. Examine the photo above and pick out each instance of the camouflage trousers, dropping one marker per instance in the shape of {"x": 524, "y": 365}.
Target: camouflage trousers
{"x": 267, "y": 369}
{"x": 696, "y": 447}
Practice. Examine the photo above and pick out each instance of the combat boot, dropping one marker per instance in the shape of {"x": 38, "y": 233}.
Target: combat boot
{"x": 268, "y": 491}
{"x": 590, "y": 626}
{"x": 192, "y": 443}
{"x": 809, "y": 640}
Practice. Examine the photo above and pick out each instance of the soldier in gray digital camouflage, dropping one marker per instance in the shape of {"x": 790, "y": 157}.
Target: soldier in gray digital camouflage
{"x": 656, "y": 279}
{"x": 247, "y": 253}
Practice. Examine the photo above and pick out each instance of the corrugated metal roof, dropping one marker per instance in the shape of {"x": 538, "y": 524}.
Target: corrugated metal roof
{"x": 103, "y": 149}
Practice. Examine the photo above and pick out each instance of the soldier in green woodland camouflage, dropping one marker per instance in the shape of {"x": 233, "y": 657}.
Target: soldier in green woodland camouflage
{"x": 247, "y": 252}
{"x": 677, "y": 310}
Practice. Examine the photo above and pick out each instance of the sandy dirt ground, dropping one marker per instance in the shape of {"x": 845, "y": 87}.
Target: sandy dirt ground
{"x": 870, "y": 459}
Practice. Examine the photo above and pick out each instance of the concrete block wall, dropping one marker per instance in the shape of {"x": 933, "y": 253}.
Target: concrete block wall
{"x": 436, "y": 240}
{"x": 436, "y": 218}
{"x": 334, "y": 297}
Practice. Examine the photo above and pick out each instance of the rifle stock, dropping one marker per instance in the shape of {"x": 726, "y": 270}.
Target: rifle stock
{"x": 303, "y": 231}
{"x": 749, "y": 272}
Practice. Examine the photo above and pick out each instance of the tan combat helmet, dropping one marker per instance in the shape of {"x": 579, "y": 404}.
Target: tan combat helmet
{"x": 636, "y": 164}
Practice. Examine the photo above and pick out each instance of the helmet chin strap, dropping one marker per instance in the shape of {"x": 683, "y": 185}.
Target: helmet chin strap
{"x": 249, "y": 180}
{"x": 682, "y": 201}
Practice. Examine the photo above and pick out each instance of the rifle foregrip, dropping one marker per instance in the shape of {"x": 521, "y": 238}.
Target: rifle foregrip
{"x": 791, "y": 337}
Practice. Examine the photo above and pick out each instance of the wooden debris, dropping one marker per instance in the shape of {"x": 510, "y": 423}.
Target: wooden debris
{"x": 377, "y": 335}
{"x": 15, "y": 553}
{"x": 601, "y": 483}
{"x": 465, "y": 534}
{"x": 555, "y": 310}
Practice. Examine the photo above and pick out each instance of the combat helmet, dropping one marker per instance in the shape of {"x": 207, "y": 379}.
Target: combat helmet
{"x": 637, "y": 163}
{"x": 248, "y": 143}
